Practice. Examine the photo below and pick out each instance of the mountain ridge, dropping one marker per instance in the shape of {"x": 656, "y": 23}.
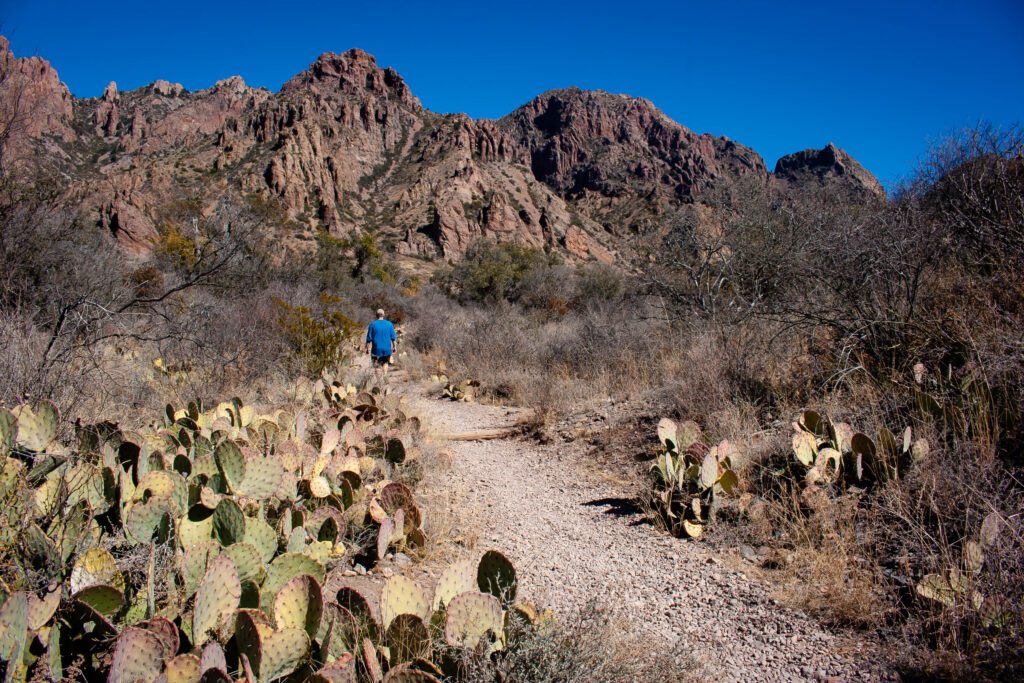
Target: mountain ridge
{"x": 345, "y": 146}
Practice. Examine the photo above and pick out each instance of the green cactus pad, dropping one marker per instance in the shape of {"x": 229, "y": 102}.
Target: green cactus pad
{"x": 299, "y": 604}
{"x": 708, "y": 471}
{"x": 473, "y": 617}
{"x": 138, "y": 656}
{"x": 262, "y": 477}
{"x": 261, "y": 536}
{"x": 148, "y": 521}
{"x": 283, "y": 569}
{"x": 166, "y": 485}
{"x": 37, "y": 427}
{"x": 95, "y": 567}
{"x": 53, "y": 656}
{"x": 402, "y": 595}
{"x": 247, "y": 561}
{"x": 193, "y": 564}
{"x": 496, "y": 575}
{"x": 230, "y": 462}
{"x": 228, "y": 522}
{"x": 8, "y": 432}
{"x": 282, "y": 652}
{"x": 13, "y": 628}
{"x": 195, "y": 527}
{"x": 459, "y": 577}
{"x": 216, "y": 599}
{"x": 407, "y": 638}
{"x": 183, "y": 669}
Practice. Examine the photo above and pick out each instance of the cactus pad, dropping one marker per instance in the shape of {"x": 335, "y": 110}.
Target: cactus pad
{"x": 341, "y": 670}
{"x": 299, "y": 604}
{"x": 230, "y": 462}
{"x": 196, "y": 527}
{"x": 496, "y": 575}
{"x": 216, "y": 599}
{"x": 14, "y": 620}
{"x": 283, "y": 569}
{"x": 371, "y": 662}
{"x": 213, "y": 657}
{"x": 472, "y": 617}
{"x": 282, "y": 652}
{"x": 667, "y": 433}
{"x": 138, "y": 656}
{"x": 459, "y": 577}
{"x": 228, "y": 522}
{"x": 402, "y": 595}
{"x": 262, "y": 477}
{"x": 166, "y": 631}
{"x": 247, "y": 561}
{"x": 37, "y": 427}
{"x": 261, "y": 536}
{"x": 394, "y": 451}
{"x": 407, "y": 638}
{"x": 148, "y": 520}
{"x": 95, "y": 566}
{"x": 42, "y": 608}
{"x": 183, "y": 669}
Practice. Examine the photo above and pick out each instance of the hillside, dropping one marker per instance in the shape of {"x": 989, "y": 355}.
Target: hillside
{"x": 347, "y": 147}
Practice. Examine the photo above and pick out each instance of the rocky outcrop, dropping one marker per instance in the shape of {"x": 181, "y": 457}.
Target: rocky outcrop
{"x": 34, "y": 103}
{"x": 829, "y": 166}
{"x": 346, "y": 147}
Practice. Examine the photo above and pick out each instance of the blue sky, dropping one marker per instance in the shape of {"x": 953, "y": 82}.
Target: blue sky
{"x": 883, "y": 80}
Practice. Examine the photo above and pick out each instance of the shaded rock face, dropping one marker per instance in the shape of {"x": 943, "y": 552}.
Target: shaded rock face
{"x": 346, "y": 147}
{"x": 828, "y": 166}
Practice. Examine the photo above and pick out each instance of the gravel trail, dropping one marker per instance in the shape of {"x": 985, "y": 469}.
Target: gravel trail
{"x": 575, "y": 536}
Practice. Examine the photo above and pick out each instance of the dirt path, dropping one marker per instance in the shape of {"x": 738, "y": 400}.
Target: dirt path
{"x": 574, "y": 537}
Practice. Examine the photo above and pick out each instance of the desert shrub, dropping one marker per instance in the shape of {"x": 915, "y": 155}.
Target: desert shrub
{"x": 491, "y": 271}
{"x": 589, "y": 647}
{"x": 317, "y": 337}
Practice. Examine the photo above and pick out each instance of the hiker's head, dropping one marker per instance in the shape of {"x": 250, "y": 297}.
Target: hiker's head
{"x": 380, "y": 314}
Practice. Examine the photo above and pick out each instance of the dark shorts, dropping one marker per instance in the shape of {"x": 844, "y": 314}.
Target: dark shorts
{"x": 382, "y": 360}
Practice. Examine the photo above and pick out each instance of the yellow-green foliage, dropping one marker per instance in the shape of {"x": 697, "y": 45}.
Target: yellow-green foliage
{"x": 177, "y": 247}
{"x": 316, "y": 338}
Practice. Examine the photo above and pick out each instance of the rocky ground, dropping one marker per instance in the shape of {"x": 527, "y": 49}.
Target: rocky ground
{"x": 575, "y": 537}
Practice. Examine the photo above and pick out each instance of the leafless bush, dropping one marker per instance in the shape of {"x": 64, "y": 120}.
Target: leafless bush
{"x": 589, "y": 647}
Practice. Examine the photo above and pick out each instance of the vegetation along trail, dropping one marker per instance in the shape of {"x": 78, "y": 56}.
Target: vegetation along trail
{"x": 576, "y": 538}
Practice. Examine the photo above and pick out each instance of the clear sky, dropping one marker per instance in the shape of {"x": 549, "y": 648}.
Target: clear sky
{"x": 881, "y": 79}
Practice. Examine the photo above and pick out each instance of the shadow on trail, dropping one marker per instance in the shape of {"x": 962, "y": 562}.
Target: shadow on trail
{"x": 621, "y": 507}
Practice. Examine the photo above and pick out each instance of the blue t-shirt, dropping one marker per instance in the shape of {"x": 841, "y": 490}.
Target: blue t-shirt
{"x": 379, "y": 335}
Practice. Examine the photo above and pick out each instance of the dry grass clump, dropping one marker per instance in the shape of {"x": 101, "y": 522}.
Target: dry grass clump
{"x": 588, "y": 647}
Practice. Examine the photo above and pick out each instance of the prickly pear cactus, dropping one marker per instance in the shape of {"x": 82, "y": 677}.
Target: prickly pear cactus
{"x": 216, "y": 600}
{"x": 496, "y": 575}
{"x": 402, "y": 595}
{"x": 474, "y": 620}
{"x": 138, "y": 656}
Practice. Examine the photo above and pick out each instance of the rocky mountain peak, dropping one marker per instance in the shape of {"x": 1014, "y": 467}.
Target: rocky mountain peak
{"x": 828, "y": 166}
{"x": 352, "y": 73}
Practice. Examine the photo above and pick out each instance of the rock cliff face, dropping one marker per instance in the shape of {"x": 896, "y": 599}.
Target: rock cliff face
{"x": 346, "y": 147}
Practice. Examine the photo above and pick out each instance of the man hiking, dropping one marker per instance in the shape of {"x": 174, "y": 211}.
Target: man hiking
{"x": 380, "y": 337}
